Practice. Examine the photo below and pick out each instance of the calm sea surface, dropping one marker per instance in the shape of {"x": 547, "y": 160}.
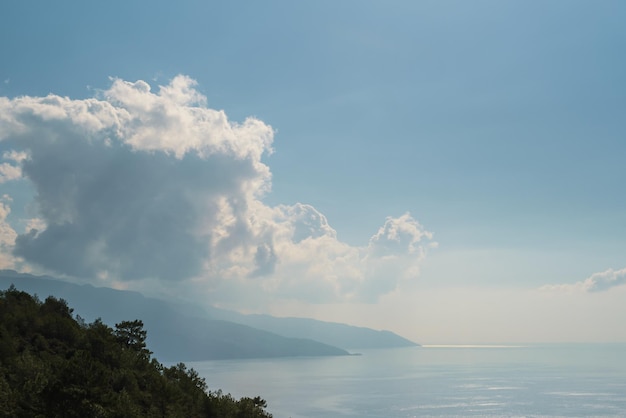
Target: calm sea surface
{"x": 530, "y": 381}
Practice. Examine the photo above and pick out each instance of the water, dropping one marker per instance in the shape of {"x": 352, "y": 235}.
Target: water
{"x": 532, "y": 381}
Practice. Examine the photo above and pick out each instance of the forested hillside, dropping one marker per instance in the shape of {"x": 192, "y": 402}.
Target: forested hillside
{"x": 55, "y": 365}
{"x": 176, "y": 332}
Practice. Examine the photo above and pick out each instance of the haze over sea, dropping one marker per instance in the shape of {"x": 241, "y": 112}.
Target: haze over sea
{"x": 445, "y": 170}
{"x": 586, "y": 380}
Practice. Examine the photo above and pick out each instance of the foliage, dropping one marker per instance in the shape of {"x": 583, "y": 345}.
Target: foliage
{"x": 55, "y": 365}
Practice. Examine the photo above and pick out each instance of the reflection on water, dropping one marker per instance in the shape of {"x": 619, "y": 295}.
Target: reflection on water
{"x": 546, "y": 381}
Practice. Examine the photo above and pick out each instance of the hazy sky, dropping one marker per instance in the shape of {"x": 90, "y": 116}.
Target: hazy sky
{"x": 450, "y": 170}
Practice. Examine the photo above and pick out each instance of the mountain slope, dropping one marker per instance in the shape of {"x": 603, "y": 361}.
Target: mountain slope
{"x": 336, "y": 334}
{"x": 187, "y": 333}
{"x": 172, "y": 335}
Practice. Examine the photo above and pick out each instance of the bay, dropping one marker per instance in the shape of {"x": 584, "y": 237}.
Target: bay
{"x": 435, "y": 381}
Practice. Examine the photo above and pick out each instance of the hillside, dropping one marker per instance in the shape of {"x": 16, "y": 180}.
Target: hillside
{"x": 172, "y": 334}
{"x": 189, "y": 333}
{"x": 57, "y": 366}
{"x": 336, "y": 334}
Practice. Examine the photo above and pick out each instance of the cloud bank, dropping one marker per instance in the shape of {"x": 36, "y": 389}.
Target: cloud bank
{"x": 597, "y": 282}
{"x": 136, "y": 184}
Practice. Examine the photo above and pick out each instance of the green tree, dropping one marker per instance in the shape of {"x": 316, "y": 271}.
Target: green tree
{"x": 53, "y": 365}
{"x": 132, "y": 335}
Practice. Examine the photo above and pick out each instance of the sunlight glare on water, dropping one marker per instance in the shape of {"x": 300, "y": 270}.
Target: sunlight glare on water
{"x": 516, "y": 381}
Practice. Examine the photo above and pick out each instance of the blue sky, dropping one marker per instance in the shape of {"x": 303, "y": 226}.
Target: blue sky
{"x": 498, "y": 125}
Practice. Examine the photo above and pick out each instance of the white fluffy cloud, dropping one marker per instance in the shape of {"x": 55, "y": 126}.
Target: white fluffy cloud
{"x": 597, "y": 282}
{"x": 7, "y": 234}
{"x": 136, "y": 184}
{"x": 10, "y": 171}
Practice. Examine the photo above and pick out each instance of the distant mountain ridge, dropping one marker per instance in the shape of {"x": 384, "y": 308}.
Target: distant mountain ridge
{"x": 333, "y": 333}
{"x": 182, "y": 333}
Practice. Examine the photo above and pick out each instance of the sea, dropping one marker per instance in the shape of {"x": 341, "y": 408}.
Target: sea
{"x": 569, "y": 380}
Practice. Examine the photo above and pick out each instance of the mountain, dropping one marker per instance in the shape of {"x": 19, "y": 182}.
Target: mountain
{"x": 332, "y": 333}
{"x": 172, "y": 334}
{"x": 179, "y": 332}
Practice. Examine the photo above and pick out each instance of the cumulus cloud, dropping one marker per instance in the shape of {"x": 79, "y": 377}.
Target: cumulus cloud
{"x": 597, "y": 282}
{"x": 10, "y": 171}
{"x": 137, "y": 184}
{"x": 7, "y": 234}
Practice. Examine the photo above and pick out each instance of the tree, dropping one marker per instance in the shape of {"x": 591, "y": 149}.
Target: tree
{"x": 132, "y": 335}
{"x": 54, "y": 366}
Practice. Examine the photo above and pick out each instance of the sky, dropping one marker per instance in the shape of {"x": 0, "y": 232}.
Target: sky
{"x": 449, "y": 170}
